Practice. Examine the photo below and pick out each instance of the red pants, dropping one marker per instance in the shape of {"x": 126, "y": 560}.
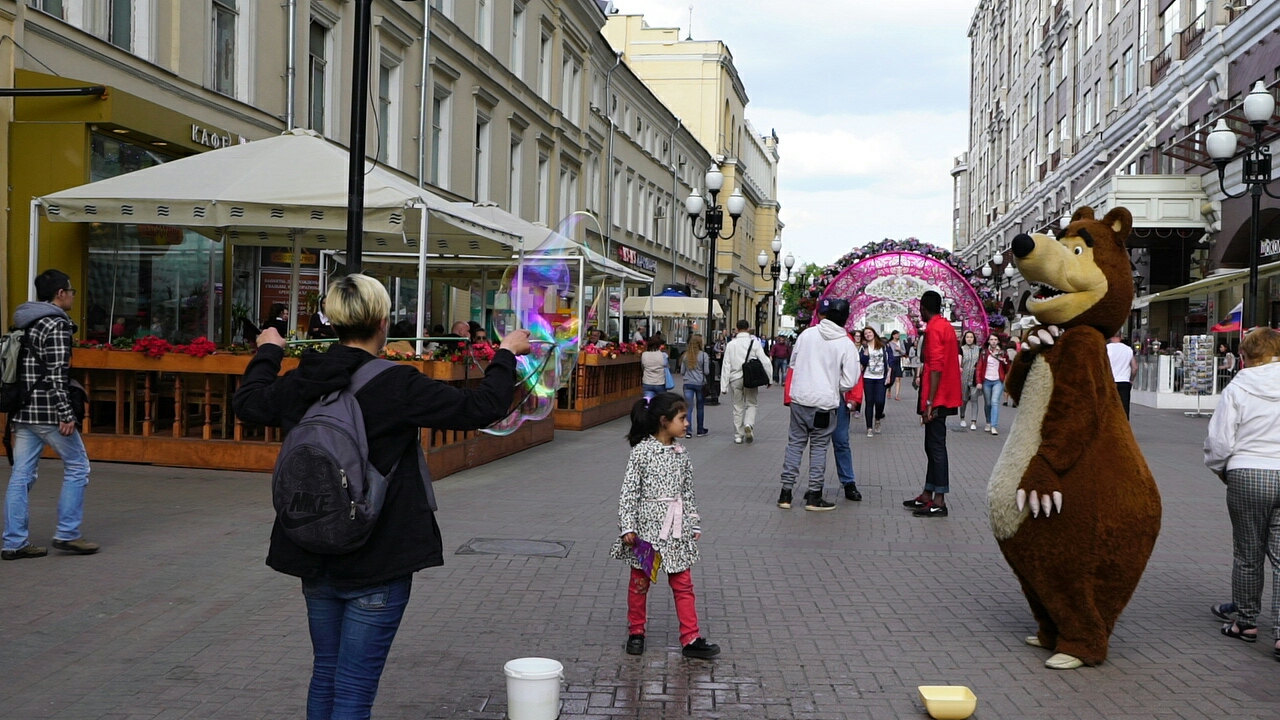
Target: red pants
{"x": 681, "y": 587}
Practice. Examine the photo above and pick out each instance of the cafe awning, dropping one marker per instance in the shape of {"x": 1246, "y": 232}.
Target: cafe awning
{"x": 669, "y": 306}
{"x": 1212, "y": 284}
{"x": 275, "y": 191}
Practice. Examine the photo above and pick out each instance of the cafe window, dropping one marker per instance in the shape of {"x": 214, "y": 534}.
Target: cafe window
{"x": 148, "y": 279}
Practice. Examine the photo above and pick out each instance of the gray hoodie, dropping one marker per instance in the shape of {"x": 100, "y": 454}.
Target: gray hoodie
{"x": 29, "y": 312}
{"x": 1242, "y": 433}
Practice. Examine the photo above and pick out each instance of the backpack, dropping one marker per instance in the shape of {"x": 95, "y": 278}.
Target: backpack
{"x": 326, "y": 492}
{"x": 753, "y": 373}
{"x": 14, "y": 394}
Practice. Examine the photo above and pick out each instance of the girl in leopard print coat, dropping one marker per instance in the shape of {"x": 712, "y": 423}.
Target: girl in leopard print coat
{"x": 657, "y": 506}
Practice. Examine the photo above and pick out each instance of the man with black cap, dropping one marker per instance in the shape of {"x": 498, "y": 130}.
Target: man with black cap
{"x": 824, "y": 365}
{"x": 939, "y": 382}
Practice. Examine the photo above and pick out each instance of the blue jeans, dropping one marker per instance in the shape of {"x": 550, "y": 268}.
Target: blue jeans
{"x": 840, "y": 445}
{"x": 28, "y": 444}
{"x": 652, "y": 391}
{"x": 351, "y": 634}
{"x": 874, "y": 394}
{"x": 695, "y": 396}
{"x": 992, "y": 390}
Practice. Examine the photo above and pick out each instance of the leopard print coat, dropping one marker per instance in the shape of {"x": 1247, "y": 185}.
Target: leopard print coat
{"x": 657, "y": 472}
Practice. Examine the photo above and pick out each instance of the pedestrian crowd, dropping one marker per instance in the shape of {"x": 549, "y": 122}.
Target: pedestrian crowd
{"x": 355, "y": 597}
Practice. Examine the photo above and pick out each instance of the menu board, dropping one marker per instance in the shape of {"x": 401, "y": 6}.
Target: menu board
{"x": 273, "y": 287}
{"x": 1197, "y": 365}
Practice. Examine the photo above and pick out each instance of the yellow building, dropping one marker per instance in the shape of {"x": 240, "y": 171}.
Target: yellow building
{"x": 699, "y": 82}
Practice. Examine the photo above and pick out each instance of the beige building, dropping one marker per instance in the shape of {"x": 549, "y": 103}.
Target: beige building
{"x": 1106, "y": 103}
{"x": 520, "y": 103}
{"x": 701, "y": 85}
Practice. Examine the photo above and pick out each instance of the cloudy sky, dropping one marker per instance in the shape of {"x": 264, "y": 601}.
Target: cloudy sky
{"x": 869, "y": 99}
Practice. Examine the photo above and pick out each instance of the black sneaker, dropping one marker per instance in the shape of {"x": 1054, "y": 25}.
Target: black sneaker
{"x": 915, "y": 503}
{"x": 703, "y": 432}
{"x": 635, "y": 645}
{"x": 26, "y": 551}
{"x": 688, "y": 435}
{"x": 701, "y": 649}
{"x": 784, "y": 499}
{"x": 931, "y": 510}
{"x": 851, "y": 492}
{"x": 813, "y": 501}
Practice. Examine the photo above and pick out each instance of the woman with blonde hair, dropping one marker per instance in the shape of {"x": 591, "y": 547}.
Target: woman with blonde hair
{"x": 1243, "y": 449}
{"x": 355, "y": 600}
{"x": 695, "y": 365}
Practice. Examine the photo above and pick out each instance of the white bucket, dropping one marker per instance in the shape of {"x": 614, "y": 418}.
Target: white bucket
{"x": 533, "y": 688}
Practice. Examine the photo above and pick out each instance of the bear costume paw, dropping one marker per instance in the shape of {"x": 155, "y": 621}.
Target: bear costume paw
{"x": 1041, "y": 338}
{"x": 1040, "y": 489}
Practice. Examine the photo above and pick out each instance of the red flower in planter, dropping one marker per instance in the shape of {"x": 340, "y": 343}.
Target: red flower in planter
{"x": 200, "y": 347}
{"x": 152, "y": 346}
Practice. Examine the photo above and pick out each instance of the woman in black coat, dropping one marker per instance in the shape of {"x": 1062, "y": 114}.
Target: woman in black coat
{"x": 355, "y": 600}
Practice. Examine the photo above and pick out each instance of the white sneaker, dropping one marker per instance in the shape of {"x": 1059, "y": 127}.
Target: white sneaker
{"x": 973, "y": 425}
{"x": 751, "y": 435}
{"x": 987, "y": 428}
{"x": 870, "y": 433}
{"x": 737, "y": 439}
{"x": 995, "y": 431}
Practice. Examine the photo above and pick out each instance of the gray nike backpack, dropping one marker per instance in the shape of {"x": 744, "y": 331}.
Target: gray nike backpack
{"x": 327, "y": 494}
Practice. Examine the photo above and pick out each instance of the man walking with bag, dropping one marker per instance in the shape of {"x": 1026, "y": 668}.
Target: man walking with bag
{"x": 824, "y": 365}
{"x": 744, "y": 379}
{"x": 46, "y": 418}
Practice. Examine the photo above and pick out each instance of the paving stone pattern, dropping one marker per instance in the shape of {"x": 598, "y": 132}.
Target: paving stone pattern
{"x": 821, "y": 615}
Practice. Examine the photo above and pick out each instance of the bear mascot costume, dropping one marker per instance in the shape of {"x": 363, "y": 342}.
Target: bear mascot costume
{"x": 1072, "y": 502}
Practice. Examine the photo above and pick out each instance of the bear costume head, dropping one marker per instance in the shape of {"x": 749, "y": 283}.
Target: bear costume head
{"x": 1083, "y": 277}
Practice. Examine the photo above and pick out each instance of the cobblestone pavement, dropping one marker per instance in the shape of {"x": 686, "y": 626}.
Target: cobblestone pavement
{"x": 821, "y": 615}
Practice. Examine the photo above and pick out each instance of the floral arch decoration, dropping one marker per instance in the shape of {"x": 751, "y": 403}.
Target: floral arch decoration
{"x": 883, "y": 283}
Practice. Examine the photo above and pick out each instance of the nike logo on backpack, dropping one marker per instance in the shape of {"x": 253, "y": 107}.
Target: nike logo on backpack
{"x": 306, "y": 508}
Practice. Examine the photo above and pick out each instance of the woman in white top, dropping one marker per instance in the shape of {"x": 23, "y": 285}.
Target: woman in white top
{"x": 877, "y": 359}
{"x": 655, "y": 363}
{"x": 1243, "y": 448}
{"x": 970, "y": 383}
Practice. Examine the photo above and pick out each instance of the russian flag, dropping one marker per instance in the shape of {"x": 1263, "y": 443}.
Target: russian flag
{"x": 1231, "y": 323}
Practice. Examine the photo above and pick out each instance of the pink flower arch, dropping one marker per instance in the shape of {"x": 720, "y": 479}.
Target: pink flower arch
{"x": 887, "y": 287}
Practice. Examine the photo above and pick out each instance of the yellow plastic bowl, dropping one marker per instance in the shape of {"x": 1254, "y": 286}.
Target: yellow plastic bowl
{"x": 948, "y": 702}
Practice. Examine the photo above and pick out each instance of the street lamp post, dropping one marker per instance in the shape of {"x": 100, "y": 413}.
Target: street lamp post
{"x": 1259, "y": 106}
{"x": 712, "y": 216}
{"x": 359, "y": 130}
{"x": 1002, "y": 270}
{"x": 773, "y": 273}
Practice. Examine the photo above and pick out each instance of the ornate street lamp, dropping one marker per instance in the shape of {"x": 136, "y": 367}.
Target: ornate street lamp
{"x": 1002, "y": 272}
{"x": 773, "y": 273}
{"x": 712, "y": 216}
{"x": 1259, "y": 106}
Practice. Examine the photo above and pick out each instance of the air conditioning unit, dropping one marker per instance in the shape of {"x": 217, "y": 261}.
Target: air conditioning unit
{"x": 660, "y": 212}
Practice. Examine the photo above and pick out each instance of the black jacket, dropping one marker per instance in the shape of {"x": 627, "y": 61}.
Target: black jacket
{"x": 395, "y": 405}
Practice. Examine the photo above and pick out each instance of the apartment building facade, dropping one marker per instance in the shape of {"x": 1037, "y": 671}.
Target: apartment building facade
{"x": 523, "y": 104}
{"x": 1106, "y": 103}
{"x": 698, "y": 80}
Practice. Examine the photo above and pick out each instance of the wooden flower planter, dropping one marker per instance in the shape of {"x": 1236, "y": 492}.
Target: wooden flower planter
{"x": 603, "y": 389}
{"x": 176, "y": 411}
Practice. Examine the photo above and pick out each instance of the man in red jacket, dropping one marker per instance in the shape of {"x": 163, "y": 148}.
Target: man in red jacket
{"x": 939, "y": 384}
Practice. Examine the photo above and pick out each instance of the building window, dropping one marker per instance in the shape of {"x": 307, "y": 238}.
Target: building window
{"x": 517, "y": 40}
{"x": 120, "y": 24}
{"x": 53, "y": 7}
{"x": 1130, "y": 73}
{"x": 593, "y": 182}
{"x": 1117, "y": 85}
{"x": 1170, "y": 20}
{"x": 1087, "y": 120}
{"x": 317, "y": 74}
{"x": 615, "y": 202}
{"x": 482, "y": 158}
{"x": 571, "y": 88}
{"x": 444, "y": 7}
{"x": 224, "y": 46}
{"x": 516, "y": 166}
{"x": 544, "y": 187}
{"x": 387, "y": 107}
{"x": 484, "y": 24}
{"x": 631, "y": 205}
{"x": 544, "y": 66}
{"x": 440, "y": 106}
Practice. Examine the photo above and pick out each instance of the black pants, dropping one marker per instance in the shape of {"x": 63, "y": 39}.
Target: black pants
{"x": 1125, "y": 389}
{"x": 936, "y": 476}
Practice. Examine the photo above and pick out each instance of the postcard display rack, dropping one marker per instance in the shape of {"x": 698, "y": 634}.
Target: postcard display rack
{"x": 1198, "y": 369}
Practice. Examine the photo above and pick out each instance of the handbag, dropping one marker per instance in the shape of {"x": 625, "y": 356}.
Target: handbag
{"x": 753, "y": 373}
{"x": 670, "y": 381}
{"x": 786, "y": 389}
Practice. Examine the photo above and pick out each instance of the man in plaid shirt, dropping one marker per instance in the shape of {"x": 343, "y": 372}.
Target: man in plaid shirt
{"x": 47, "y": 419}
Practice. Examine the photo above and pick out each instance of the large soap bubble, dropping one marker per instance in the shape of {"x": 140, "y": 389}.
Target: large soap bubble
{"x": 536, "y": 289}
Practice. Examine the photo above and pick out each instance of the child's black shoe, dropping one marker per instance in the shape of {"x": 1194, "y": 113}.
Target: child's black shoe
{"x": 635, "y": 645}
{"x": 701, "y": 649}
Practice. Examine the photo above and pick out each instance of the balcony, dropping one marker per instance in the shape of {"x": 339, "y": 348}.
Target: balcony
{"x": 1191, "y": 38}
{"x": 1044, "y": 171}
{"x": 1160, "y": 63}
{"x": 1054, "y": 159}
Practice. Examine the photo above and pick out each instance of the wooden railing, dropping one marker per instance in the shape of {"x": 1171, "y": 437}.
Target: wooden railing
{"x": 603, "y": 389}
{"x": 176, "y": 410}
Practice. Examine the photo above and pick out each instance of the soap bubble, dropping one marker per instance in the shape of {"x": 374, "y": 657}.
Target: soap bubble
{"x": 538, "y": 291}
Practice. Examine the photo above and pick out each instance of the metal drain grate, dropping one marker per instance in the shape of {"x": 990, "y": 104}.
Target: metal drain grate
{"x": 508, "y": 546}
